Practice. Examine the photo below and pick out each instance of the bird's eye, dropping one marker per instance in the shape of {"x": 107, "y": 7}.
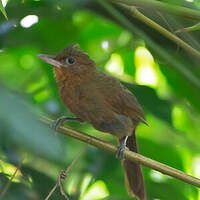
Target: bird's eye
{"x": 70, "y": 61}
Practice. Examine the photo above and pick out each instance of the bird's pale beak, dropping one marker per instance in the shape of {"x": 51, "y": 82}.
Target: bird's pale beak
{"x": 50, "y": 60}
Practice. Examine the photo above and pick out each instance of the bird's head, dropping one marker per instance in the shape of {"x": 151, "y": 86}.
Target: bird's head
{"x": 70, "y": 63}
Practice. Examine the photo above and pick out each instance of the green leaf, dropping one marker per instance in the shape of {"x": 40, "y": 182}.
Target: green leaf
{"x": 19, "y": 126}
{"x": 149, "y": 100}
{"x": 38, "y": 180}
{"x": 195, "y": 27}
{"x": 3, "y": 10}
{"x": 197, "y": 3}
{"x": 181, "y": 87}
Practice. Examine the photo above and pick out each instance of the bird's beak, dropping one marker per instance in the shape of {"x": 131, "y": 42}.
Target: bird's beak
{"x": 50, "y": 60}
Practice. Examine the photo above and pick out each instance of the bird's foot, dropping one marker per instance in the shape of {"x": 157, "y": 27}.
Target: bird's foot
{"x": 121, "y": 149}
{"x": 61, "y": 120}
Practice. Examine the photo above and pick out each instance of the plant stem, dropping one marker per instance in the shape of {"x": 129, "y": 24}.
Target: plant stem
{"x": 173, "y": 9}
{"x": 137, "y": 14}
{"x": 129, "y": 155}
{"x": 5, "y": 189}
{"x": 171, "y": 60}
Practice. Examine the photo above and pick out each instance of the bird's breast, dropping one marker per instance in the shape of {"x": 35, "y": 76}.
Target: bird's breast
{"x": 72, "y": 97}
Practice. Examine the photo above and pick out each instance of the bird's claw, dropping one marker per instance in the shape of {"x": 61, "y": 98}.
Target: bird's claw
{"x": 120, "y": 151}
{"x": 61, "y": 120}
{"x": 58, "y": 122}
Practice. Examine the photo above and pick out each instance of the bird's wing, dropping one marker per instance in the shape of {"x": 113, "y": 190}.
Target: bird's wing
{"x": 119, "y": 98}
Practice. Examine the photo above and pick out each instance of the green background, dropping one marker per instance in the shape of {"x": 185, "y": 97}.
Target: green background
{"x": 164, "y": 78}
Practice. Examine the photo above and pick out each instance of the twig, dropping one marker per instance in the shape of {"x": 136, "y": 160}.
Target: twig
{"x": 170, "y": 28}
{"x": 129, "y": 155}
{"x": 5, "y": 189}
{"x": 173, "y": 9}
{"x": 165, "y": 21}
{"x": 195, "y": 27}
{"x": 62, "y": 176}
{"x": 137, "y": 14}
{"x": 52, "y": 191}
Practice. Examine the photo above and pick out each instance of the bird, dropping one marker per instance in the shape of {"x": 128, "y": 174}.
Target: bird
{"x": 101, "y": 100}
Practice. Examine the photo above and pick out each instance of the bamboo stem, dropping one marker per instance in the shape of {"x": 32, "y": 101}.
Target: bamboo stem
{"x": 170, "y": 59}
{"x": 137, "y": 14}
{"x": 129, "y": 155}
{"x": 173, "y": 9}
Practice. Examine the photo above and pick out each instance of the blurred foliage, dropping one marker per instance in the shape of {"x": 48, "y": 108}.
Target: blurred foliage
{"x": 3, "y": 10}
{"x": 158, "y": 72}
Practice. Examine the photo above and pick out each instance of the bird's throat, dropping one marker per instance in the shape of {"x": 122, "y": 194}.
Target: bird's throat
{"x": 72, "y": 78}
{"x": 59, "y": 75}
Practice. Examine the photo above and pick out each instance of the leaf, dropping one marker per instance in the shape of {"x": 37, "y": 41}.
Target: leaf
{"x": 38, "y": 180}
{"x": 181, "y": 87}
{"x": 21, "y": 127}
{"x": 148, "y": 98}
{"x": 197, "y": 3}
{"x": 3, "y": 10}
{"x": 196, "y": 27}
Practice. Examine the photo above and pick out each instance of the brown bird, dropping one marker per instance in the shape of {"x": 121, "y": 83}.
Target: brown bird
{"x": 101, "y": 100}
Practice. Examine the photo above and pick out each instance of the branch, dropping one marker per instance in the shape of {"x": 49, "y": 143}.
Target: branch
{"x": 137, "y": 14}
{"x": 5, "y": 189}
{"x": 62, "y": 176}
{"x": 173, "y": 9}
{"x": 129, "y": 155}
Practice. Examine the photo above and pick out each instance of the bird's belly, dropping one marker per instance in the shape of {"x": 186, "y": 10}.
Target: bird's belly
{"x": 119, "y": 126}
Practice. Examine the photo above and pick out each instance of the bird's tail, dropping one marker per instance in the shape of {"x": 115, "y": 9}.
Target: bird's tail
{"x": 133, "y": 172}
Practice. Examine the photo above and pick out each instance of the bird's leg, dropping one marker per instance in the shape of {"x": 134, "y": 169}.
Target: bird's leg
{"x": 121, "y": 148}
{"x": 61, "y": 120}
